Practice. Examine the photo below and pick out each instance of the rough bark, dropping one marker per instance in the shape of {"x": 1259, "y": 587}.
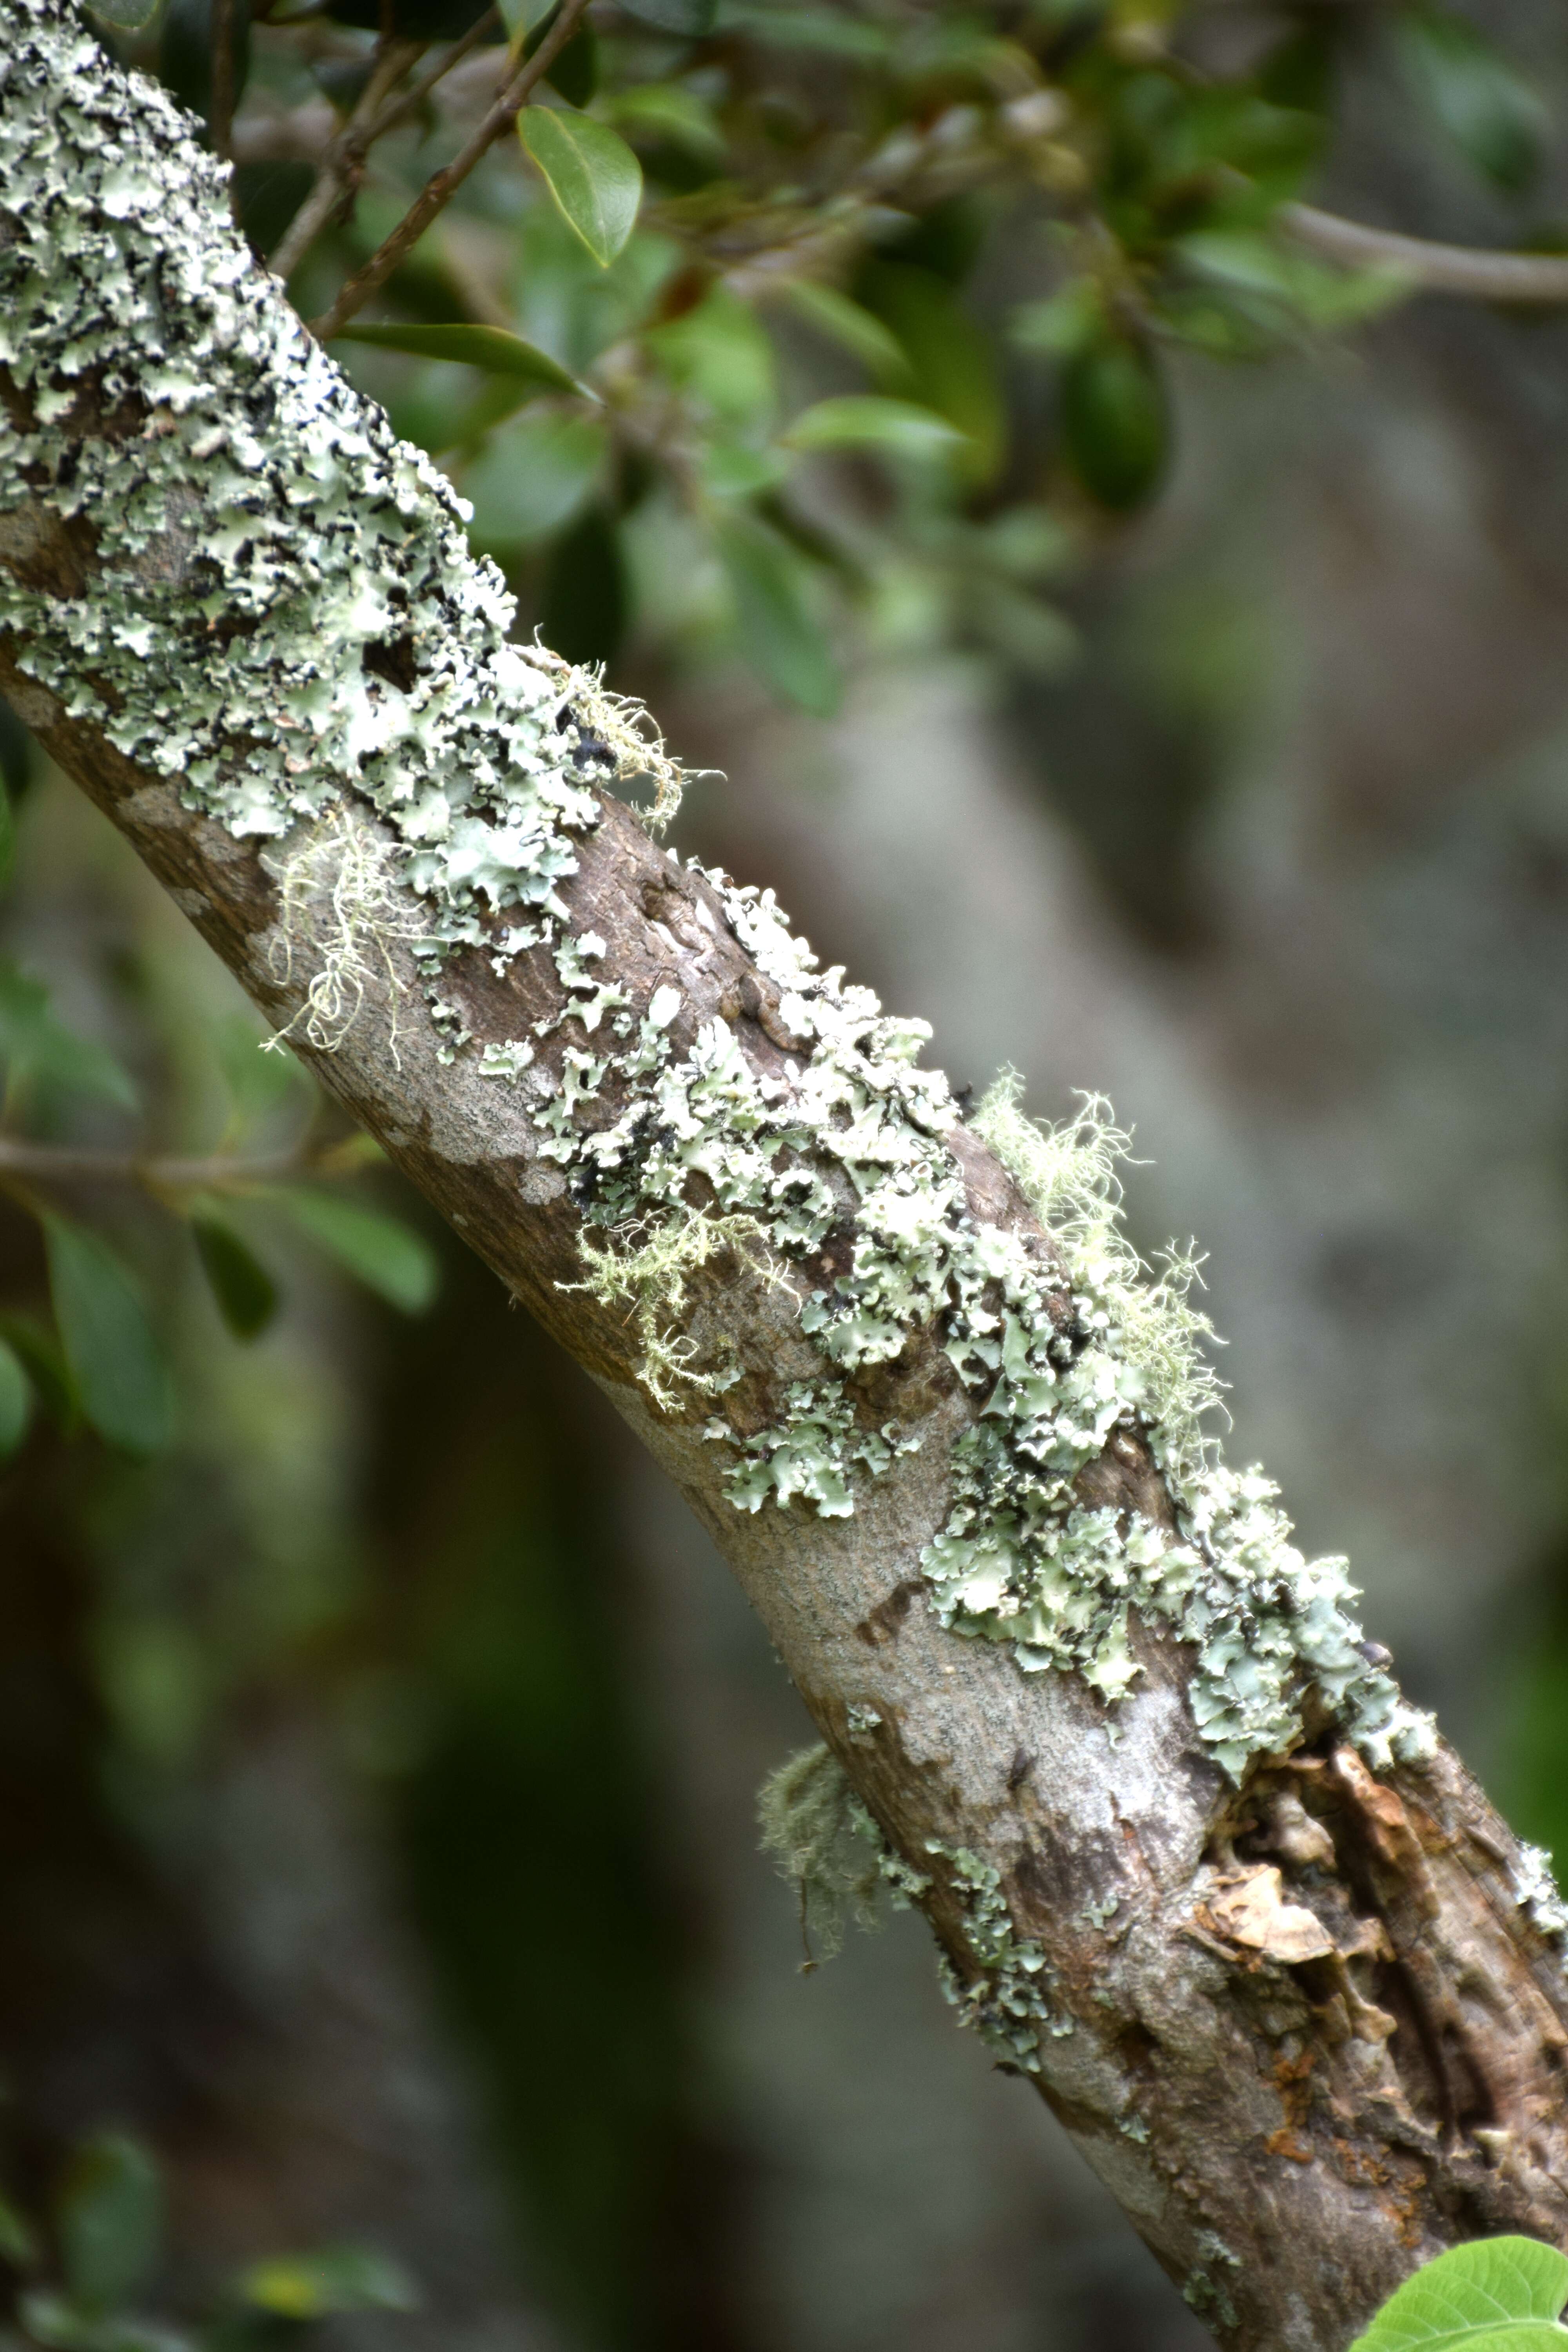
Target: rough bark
{"x": 1309, "y": 2030}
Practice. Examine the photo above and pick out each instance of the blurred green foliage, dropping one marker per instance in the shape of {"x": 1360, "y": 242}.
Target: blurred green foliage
{"x": 720, "y": 217}
{"x": 83, "y": 2273}
{"x": 784, "y": 335}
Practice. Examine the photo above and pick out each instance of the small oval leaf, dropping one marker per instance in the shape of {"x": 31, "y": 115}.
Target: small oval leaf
{"x": 590, "y": 171}
{"x": 303, "y": 2288}
{"x": 1499, "y": 2295}
{"x": 125, "y": 15}
{"x": 865, "y": 421}
{"x": 117, "y": 1368}
{"x": 688, "y": 18}
{"x": 387, "y": 1256}
{"x": 780, "y": 633}
{"x": 110, "y": 2218}
{"x": 1115, "y": 425}
{"x": 246, "y": 1293}
{"x": 491, "y": 348}
{"x": 16, "y": 1409}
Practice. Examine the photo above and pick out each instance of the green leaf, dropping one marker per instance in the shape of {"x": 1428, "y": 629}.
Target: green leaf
{"x": 185, "y": 51}
{"x": 532, "y": 476}
{"x": 590, "y": 171}
{"x": 1064, "y": 323}
{"x": 780, "y": 633}
{"x": 67, "y": 2325}
{"x": 719, "y": 355}
{"x": 688, "y": 18}
{"x": 335, "y": 2278}
{"x": 1492, "y": 114}
{"x": 582, "y": 610}
{"x": 18, "y": 2239}
{"x": 8, "y": 837}
{"x": 852, "y": 329}
{"x": 575, "y": 72}
{"x": 125, "y": 15}
{"x": 46, "y": 1366}
{"x": 865, "y": 421}
{"x": 955, "y": 371}
{"x": 111, "y": 2220}
{"x": 1499, "y": 2295}
{"x": 246, "y": 1293}
{"x": 665, "y": 110}
{"x": 520, "y": 18}
{"x": 490, "y": 347}
{"x": 34, "y": 1045}
{"x": 387, "y": 1256}
{"x": 1115, "y": 426}
{"x": 115, "y": 1361}
{"x": 15, "y": 1411}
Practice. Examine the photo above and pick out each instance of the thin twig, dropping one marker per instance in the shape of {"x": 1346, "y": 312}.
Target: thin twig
{"x": 1437, "y": 268}
{"x": 407, "y": 102}
{"x": 220, "y": 122}
{"x": 438, "y": 191}
{"x": 48, "y": 1163}
{"x": 344, "y": 157}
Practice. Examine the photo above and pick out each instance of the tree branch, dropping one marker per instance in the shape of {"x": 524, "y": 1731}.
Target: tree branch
{"x": 1192, "y": 1863}
{"x": 439, "y": 190}
{"x": 215, "y": 1171}
{"x": 344, "y": 158}
{"x": 1534, "y": 277}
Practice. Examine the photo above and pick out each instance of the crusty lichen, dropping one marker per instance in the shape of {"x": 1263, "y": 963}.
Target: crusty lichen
{"x": 284, "y": 619}
{"x": 1535, "y": 1887}
{"x": 1007, "y": 1999}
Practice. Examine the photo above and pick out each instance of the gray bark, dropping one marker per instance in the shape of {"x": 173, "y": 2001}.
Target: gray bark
{"x": 1309, "y": 2029}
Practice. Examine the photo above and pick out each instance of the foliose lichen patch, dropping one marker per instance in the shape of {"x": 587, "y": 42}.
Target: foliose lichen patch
{"x": 284, "y": 619}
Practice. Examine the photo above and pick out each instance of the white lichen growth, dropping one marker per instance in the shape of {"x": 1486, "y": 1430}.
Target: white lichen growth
{"x": 284, "y": 620}
{"x": 1007, "y": 2000}
{"x": 811, "y": 1453}
{"x": 1536, "y": 1892}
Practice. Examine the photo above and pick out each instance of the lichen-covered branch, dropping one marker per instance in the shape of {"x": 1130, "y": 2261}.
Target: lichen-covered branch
{"x": 1194, "y": 1865}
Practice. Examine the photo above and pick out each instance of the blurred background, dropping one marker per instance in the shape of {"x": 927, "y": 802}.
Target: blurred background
{"x": 379, "y": 1736}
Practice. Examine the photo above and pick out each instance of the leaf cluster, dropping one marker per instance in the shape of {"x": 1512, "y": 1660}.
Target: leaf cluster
{"x": 778, "y": 318}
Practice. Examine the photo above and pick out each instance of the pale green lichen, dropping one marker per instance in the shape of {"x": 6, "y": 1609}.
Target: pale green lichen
{"x": 1007, "y": 2000}
{"x": 1206, "y": 2293}
{"x": 285, "y": 621}
{"x": 284, "y": 610}
{"x": 811, "y": 1453}
{"x": 1536, "y": 1892}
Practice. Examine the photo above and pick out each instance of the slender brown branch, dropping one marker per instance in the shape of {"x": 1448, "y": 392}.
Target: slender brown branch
{"x": 407, "y": 102}
{"x": 438, "y": 191}
{"x": 219, "y": 1172}
{"x": 220, "y": 126}
{"x": 1436, "y": 268}
{"x": 343, "y": 158}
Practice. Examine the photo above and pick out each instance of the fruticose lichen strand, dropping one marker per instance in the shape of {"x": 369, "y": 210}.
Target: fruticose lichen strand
{"x": 284, "y": 620}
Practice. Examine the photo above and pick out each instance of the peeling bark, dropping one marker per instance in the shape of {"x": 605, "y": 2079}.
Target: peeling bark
{"x": 1309, "y": 2031}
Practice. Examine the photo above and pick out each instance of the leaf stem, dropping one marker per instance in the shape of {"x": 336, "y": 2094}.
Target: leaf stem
{"x": 439, "y": 190}
{"x": 1437, "y": 268}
